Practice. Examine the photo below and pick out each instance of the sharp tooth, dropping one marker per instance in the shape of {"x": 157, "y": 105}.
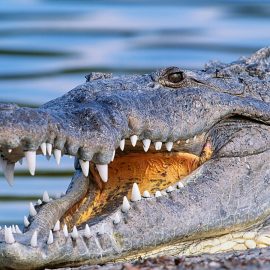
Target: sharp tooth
{"x": 50, "y": 238}
{"x": 45, "y": 197}
{"x": 57, "y": 226}
{"x": 26, "y": 221}
{"x": 180, "y": 185}
{"x": 158, "y": 145}
{"x": 17, "y": 229}
{"x": 9, "y": 150}
{"x": 39, "y": 202}
{"x": 74, "y": 233}
{"x": 31, "y": 161}
{"x": 49, "y": 148}
{"x": 135, "y": 193}
{"x": 187, "y": 141}
{"x": 32, "y": 210}
{"x": 43, "y": 148}
{"x": 158, "y": 194}
{"x": 113, "y": 155}
{"x": 146, "y": 144}
{"x": 146, "y": 194}
{"x": 125, "y": 205}
{"x": 122, "y": 144}
{"x": 9, "y": 239}
{"x": 133, "y": 140}
{"x": 85, "y": 167}
{"x": 65, "y": 231}
{"x": 169, "y": 146}
{"x": 117, "y": 219}
{"x": 195, "y": 137}
{"x": 57, "y": 154}
{"x": 33, "y": 241}
{"x": 87, "y": 232}
{"x": 9, "y": 173}
{"x": 170, "y": 189}
{"x": 103, "y": 171}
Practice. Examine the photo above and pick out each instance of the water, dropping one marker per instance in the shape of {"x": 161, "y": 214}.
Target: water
{"x": 46, "y": 48}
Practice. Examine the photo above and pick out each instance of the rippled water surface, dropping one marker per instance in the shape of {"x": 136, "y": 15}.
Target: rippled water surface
{"x": 46, "y": 48}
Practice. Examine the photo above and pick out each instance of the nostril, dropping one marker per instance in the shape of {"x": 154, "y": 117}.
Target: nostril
{"x": 8, "y": 106}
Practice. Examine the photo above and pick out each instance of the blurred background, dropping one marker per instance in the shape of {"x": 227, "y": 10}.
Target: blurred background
{"x": 47, "y": 47}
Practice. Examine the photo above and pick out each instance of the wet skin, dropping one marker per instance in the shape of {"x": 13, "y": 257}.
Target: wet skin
{"x": 197, "y": 141}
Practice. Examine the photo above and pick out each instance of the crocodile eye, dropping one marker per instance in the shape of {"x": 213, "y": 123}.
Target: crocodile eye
{"x": 176, "y": 77}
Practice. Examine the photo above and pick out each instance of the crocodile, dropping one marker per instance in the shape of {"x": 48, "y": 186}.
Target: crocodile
{"x": 168, "y": 163}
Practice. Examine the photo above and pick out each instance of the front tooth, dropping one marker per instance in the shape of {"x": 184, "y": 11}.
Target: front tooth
{"x": 122, "y": 144}
{"x": 31, "y": 161}
{"x": 17, "y": 229}
{"x": 49, "y": 149}
{"x": 26, "y": 221}
{"x": 57, "y": 226}
{"x": 74, "y": 233}
{"x": 113, "y": 155}
{"x": 170, "y": 189}
{"x": 158, "y": 145}
{"x": 125, "y": 205}
{"x": 103, "y": 171}
{"x": 87, "y": 232}
{"x": 133, "y": 140}
{"x": 65, "y": 231}
{"x": 32, "y": 210}
{"x": 146, "y": 144}
{"x": 9, "y": 239}
{"x": 117, "y": 219}
{"x": 158, "y": 193}
{"x": 187, "y": 141}
{"x": 169, "y": 146}
{"x": 146, "y": 194}
{"x": 33, "y": 241}
{"x": 50, "y": 238}
{"x": 9, "y": 173}
{"x": 43, "y": 148}
{"x": 135, "y": 193}
{"x": 39, "y": 201}
{"x": 85, "y": 167}
{"x": 45, "y": 197}
{"x": 57, "y": 154}
{"x": 13, "y": 229}
{"x": 180, "y": 185}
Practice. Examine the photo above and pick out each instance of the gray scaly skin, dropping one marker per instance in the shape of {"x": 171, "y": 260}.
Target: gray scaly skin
{"x": 224, "y": 105}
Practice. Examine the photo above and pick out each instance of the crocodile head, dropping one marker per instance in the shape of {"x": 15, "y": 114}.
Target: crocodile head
{"x": 173, "y": 162}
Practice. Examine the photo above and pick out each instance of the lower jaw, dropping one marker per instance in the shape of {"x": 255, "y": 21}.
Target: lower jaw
{"x": 151, "y": 171}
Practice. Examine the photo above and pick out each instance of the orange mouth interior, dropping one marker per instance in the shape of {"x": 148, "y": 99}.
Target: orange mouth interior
{"x": 151, "y": 171}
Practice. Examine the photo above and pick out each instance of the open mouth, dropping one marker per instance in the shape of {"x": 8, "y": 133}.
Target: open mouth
{"x": 136, "y": 172}
{"x": 139, "y": 170}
